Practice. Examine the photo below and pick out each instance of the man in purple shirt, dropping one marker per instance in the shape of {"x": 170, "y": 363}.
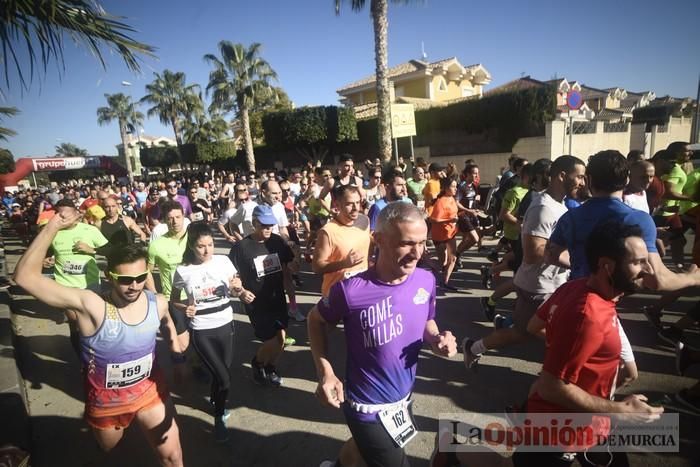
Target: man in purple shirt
{"x": 388, "y": 312}
{"x": 171, "y": 187}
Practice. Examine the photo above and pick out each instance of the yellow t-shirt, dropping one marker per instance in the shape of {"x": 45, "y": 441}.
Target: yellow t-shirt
{"x": 344, "y": 238}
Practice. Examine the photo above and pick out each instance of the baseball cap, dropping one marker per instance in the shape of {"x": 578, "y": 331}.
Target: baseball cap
{"x": 263, "y": 213}
{"x": 435, "y": 167}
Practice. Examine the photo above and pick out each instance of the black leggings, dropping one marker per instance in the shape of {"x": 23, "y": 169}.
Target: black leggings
{"x": 215, "y": 348}
{"x": 374, "y": 443}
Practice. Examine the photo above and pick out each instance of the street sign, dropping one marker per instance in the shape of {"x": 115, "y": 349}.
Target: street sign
{"x": 403, "y": 121}
{"x": 574, "y": 100}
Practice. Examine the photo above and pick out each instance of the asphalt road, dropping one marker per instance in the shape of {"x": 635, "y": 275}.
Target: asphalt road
{"x": 287, "y": 426}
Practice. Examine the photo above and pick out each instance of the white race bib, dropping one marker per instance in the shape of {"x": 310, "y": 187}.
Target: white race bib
{"x": 267, "y": 264}
{"x": 399, "y": 424}
{"x": 74, "y": 268}
{"x": 197, "y": 216}
{"x": 122, "y": 375}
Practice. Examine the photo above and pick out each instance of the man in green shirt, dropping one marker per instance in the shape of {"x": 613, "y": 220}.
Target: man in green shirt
{"x": 675, "y": 198}
{"x": 75, "y": 266}
{"x": 415, "y": 187}
{"x": 166, "y": 251}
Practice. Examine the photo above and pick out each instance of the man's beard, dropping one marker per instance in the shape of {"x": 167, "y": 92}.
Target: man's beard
{"x": 622, "y": 283}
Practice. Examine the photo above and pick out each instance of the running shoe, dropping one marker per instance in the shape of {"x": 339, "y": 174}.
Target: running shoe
{"x": 226, "y": 414}
{"x": 220, "y": 430}
{"x": 670, "y": 335}
{"x": 653, "y": 316}
{"x": 502, "y": 321}
{"x": 683, "y": 360}
{"x": 273, "y": 378}
{"x": 489, "y": 310}
{"x": 296, "y": 314}
{"x": 289, "y": 341}
{"x": 470, "y": 360}
{"x": 692, "y": 401}
{"x": 258, "y": 371}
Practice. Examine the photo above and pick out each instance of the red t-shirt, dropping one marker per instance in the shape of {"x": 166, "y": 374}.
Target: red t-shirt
{"x": 582, "y": 343}
{"x": 655, "y": 193}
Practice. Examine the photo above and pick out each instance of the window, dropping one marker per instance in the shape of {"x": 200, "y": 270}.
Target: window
{"x": 442, "y": 85}
{"x": 467, "y": 91}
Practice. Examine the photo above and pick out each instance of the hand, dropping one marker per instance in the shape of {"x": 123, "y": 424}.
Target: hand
{"x": 247, "y": 297}
{"x": 330, "y": 391}
{"x": 65, "y": 220}
{"x": 353, "y": 259}
{"x": 231, "y": 238}
{"x": 82, "y": 247}
{"x": 445, "y": 344}
{"x": 636, "y": 410}
{"x": 48, "y": 262}
{"x": 190, "y": 311}
{"x": 236, "y": 285}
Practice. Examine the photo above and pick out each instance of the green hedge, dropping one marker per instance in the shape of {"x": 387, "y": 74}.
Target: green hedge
{"x": 309, "y": 126}
{"x": 159, "y": 156}
{"x": 204, "y": 153}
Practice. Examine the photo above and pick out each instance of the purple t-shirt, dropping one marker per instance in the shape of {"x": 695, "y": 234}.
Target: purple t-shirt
{"x": 384, "y": 327}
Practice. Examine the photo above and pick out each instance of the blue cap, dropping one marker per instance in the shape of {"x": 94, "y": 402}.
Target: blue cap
{"x": 263, "y": 213}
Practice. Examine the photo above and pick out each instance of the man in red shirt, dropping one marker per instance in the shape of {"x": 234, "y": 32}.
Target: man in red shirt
{"x": 583, "y": 342}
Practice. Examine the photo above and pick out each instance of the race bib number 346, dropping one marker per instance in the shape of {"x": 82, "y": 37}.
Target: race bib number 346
{"x": 122, "y": 375}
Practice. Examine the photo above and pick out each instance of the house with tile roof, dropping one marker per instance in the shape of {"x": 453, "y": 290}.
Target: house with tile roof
{"x": 421, "y": 83}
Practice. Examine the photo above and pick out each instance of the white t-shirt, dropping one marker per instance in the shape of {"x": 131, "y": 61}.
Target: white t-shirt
{"x": 206, "y": 286}
{"x": 161, "y": 229}
{"x": 241, "y": 217}
{"x": 637, "y": 201}
{"x": 539, "y": 221}
{"x": 295, "y": 189}
{"x": 281, "y": 216}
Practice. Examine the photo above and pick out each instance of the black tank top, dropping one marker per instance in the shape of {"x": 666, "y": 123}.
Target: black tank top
{"x": 117, "y": 233}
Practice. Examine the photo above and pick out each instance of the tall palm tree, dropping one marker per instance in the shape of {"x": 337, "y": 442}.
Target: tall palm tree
{"x": 41, "y": 25}
{"x": 120, "y": 108}
{"x": 239, "y": 76}
{"x": 70, "y": 150}
{"x": 7, "y": 112}
{"x": 380, "y": 22}
{"x": 172, "y": 99}
{"x": 206, "y": 129}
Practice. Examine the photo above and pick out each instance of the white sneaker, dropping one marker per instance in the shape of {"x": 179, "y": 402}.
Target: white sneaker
{"x": 296, "y": 314}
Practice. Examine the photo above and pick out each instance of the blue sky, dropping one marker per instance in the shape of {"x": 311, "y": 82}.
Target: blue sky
{"x": 637, "y": 45}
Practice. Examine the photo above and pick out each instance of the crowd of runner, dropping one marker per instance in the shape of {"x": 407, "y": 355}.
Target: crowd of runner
{"x": 385, "y": 241}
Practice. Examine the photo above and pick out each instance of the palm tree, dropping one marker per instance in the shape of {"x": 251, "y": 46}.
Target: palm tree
{"x": 239, "y": 76}
{"x": 70, "y": 150}
{"x": 120, "y": 108}
{"x": 41, "y": 25}
{"x": 379, "y": 11}
{"x": 172, "y": 99}
{"x": 7, "y": 112}
{"x": 206, "y": 129}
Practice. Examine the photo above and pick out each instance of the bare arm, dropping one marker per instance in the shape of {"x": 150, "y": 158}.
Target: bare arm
{"x": 664, "y": 280}
{"x": 536, "y": 326}
{"x": 131, "y": 224}
{"x": 167, "y": 326}
{"x": 533, "y": 249}
{"x": 330, "y": 388}
{"x": 671, "y": 194}
{"x": 150, "y": 282}
{"x": 443, "y": 343}
{"x": 28, "y": 271}
{"x": 557, "y": 255}
{"x": 507, "y": 216}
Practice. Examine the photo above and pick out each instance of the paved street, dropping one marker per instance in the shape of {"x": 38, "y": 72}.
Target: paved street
{"x": 287, "y": 426}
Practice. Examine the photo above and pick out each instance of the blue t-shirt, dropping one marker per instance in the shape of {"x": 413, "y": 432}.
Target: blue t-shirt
{"x": 574, "y": 227}
{"x": 374, "y": 211}
{"x": 571, "y": 203}
{"x": 384, "y": 326}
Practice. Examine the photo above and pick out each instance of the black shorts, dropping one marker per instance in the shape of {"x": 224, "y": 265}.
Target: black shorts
{"x": 467, "y": 223}
{"x": 268, "y": 320}
{"x": 374, "y": 443}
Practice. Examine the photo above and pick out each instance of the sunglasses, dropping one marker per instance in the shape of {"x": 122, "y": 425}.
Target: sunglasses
{"x": 124, "y": 279}
{"x": 241, "y": 191}
{"x": 172, "y": 186}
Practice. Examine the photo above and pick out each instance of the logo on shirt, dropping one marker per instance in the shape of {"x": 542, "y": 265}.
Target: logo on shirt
{"x": 422, "y": 296}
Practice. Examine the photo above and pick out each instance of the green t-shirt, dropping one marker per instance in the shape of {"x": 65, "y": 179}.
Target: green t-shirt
{"x": 511, "y": 201}
{"x": 677, "y": 178}
{"x": 689, "y": 189}
{"x": 415, "y": 189}
{"x": 77, "y": 270}
{"x": 166, "y": 253}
